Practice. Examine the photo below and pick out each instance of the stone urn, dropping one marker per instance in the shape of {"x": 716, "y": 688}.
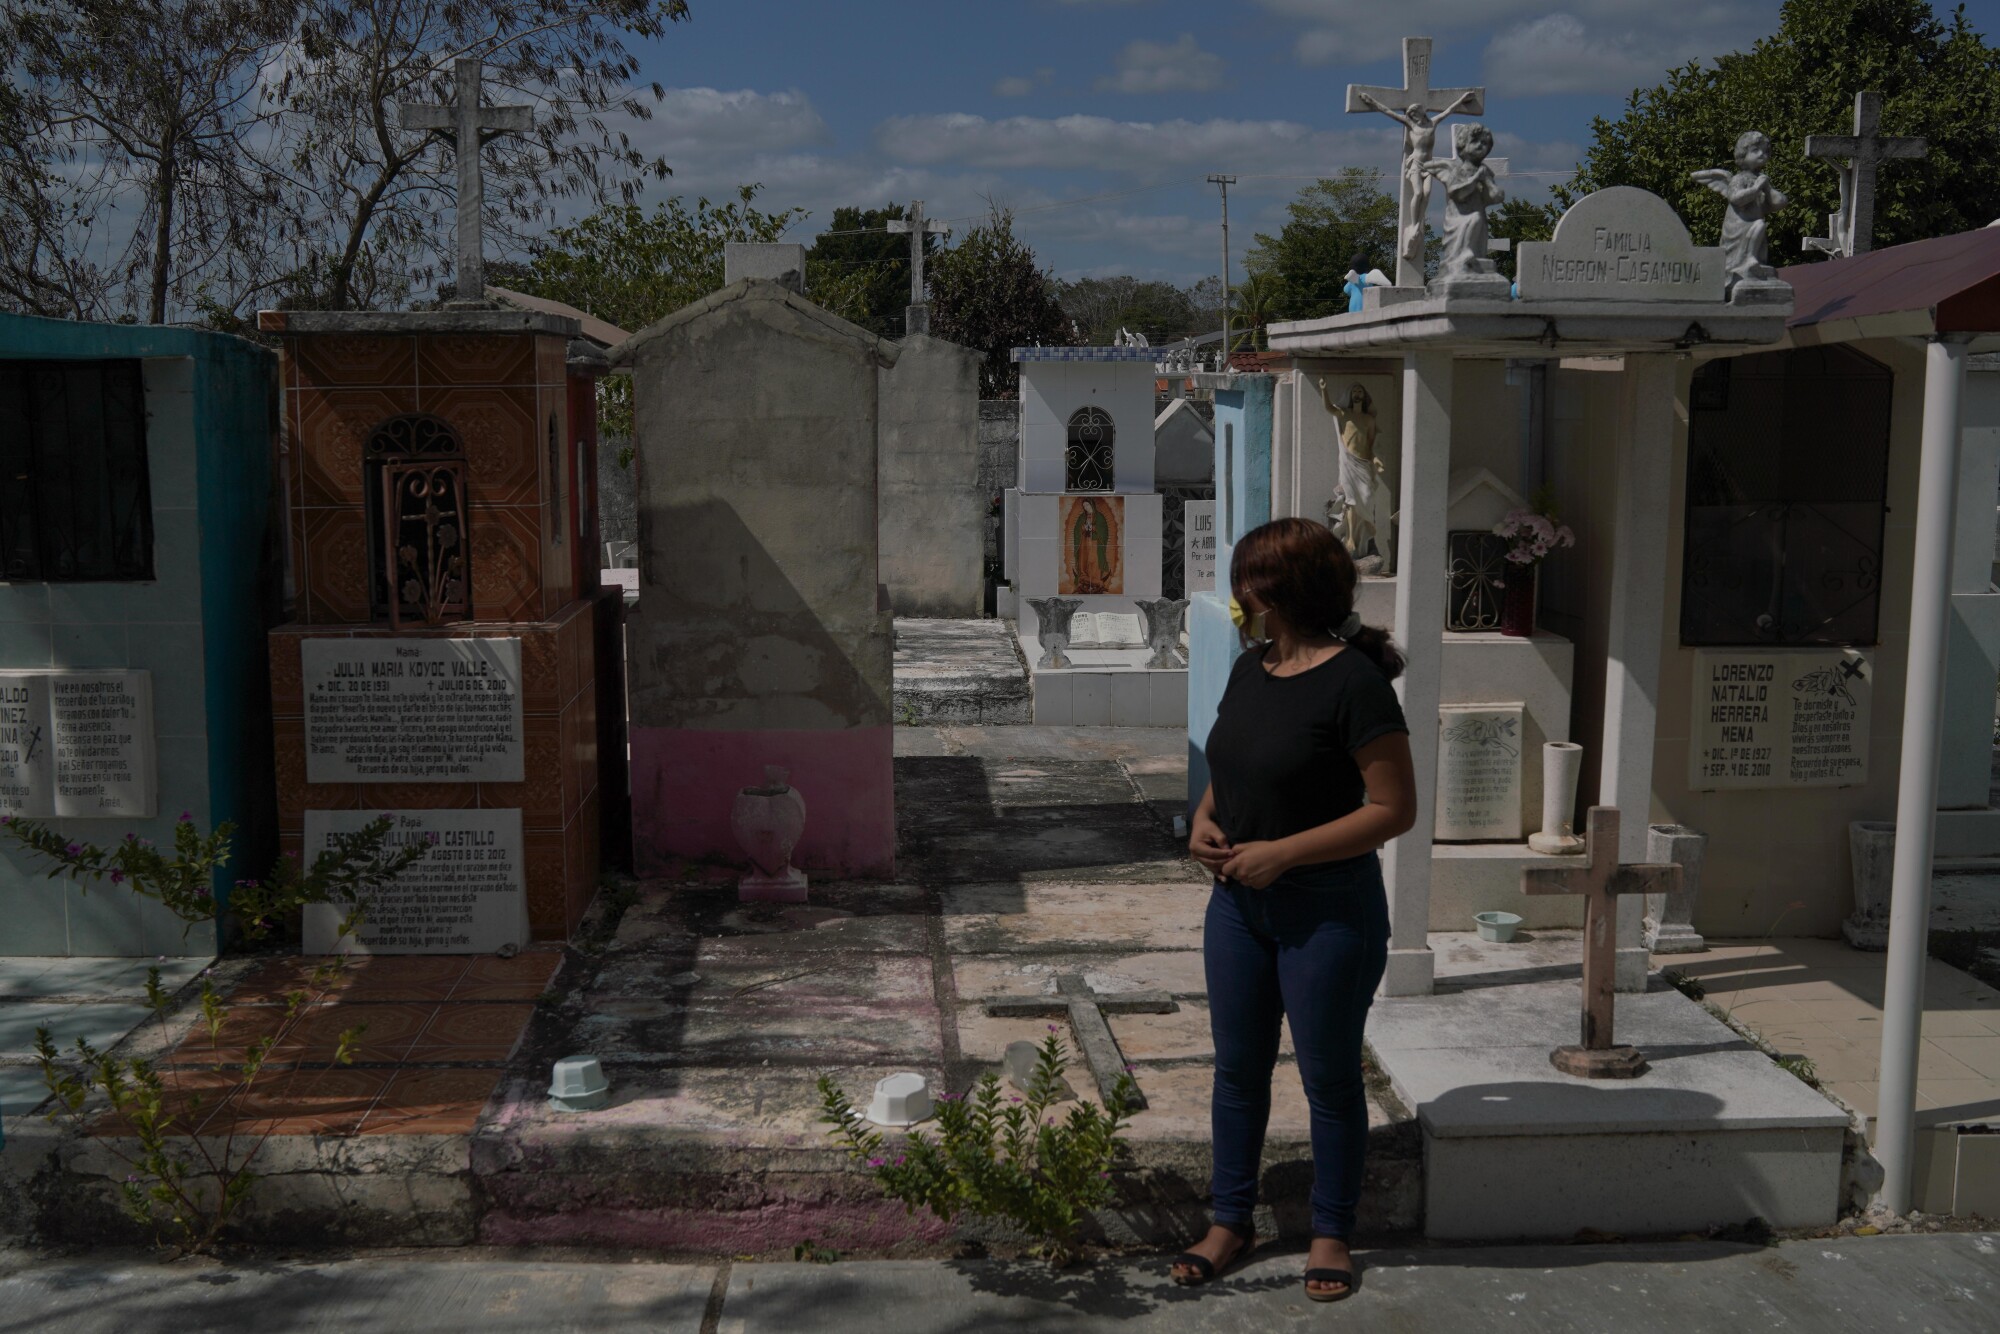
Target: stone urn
{"x": 1163, "y": 631}
{"x": 767, "y": 822}
{"x": 1053, "y": 617}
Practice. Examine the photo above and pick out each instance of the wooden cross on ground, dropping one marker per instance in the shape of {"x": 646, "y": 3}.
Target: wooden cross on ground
{"x": 1852, "y": 230}
{"x": 1435, "y": 102}
{"x": 918, "y": 226}
{"x": 1086, "y": 1008}
{"x": 1600, "y": 879}
{"x": 468, "y": 125}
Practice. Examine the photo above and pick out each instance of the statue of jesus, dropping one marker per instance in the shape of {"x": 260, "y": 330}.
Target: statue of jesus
{"x": 1370, "y": 504}
{"x": 1419, "y": 139}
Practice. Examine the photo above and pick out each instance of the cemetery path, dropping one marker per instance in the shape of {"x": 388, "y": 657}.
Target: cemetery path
{"x": 1946, "y": 1283}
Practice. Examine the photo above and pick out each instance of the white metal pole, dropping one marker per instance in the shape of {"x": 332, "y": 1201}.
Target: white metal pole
{"x": 1917, "y": 781}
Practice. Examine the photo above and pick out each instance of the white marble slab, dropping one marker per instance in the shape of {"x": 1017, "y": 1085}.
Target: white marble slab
{"x": 413, "y": 710}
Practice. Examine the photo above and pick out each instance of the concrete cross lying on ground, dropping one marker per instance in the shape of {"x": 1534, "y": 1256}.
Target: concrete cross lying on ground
{"x": 1086, "y": 1008}
{"x": 1600, "y": 879}
{"x": 465, "y": 123}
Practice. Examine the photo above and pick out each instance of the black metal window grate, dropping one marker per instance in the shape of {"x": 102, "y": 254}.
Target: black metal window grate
{"x": 396, "y": 445}
{"x": 76, "y": 505}
{"x": 1788, "y": 469}
{"x": 1088, "y": 458}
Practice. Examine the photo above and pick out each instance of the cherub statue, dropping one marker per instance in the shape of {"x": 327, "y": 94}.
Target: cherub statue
{"x": 1368, "y": 503}
{"x": 1746, "y": 251}
{"x": 1419, "y": 139}
{"x": 1469, "y": 190}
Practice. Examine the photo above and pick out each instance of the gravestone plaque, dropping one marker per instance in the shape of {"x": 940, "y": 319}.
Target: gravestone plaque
{"x": 1199, "y": 556}
{"x": 1475, "y": 569}
{"x": 1620, "y": 244}
{"x": 466, "y": 895}
{"x": 413, "y": 710}
{"x": 1479, "y": 773}
{"x": 1774, "y": 719}
{"x": 77, "y": 745}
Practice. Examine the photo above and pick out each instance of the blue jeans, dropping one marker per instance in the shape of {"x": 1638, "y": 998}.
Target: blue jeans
{"x": 1311, "y": 949}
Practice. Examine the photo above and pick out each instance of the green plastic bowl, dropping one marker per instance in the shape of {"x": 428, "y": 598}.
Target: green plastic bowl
{"x": 1496, "y": 926}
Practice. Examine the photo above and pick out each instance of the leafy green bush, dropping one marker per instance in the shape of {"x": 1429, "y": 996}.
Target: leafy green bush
{"x": 180, "y": 1184}
{"x": 995, "y": 1157}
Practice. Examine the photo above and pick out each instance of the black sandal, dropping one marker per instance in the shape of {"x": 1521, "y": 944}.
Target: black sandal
{"x": 1342, "y": 1276}
{"x": 1207, "y": 1270}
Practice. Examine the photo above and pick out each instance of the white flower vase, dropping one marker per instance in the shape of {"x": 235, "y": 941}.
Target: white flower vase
{"x": 1562, "y": 766}
{"x": 767, "y": 822}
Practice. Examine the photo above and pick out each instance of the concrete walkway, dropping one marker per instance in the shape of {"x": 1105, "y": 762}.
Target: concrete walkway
{"x": 1943, "y": 1283}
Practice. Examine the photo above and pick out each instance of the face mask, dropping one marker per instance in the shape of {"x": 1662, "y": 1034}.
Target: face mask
{"x": 1250, "y": 624}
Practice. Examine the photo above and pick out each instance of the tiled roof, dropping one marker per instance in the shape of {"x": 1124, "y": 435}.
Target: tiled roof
{"x": 1145, "y": 354}
{"x": 1955, "y": 279}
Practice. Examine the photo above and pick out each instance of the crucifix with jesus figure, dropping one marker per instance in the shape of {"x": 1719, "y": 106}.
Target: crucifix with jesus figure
{"x": 1600, "y": 879}
{"x": 1418, "y": 108}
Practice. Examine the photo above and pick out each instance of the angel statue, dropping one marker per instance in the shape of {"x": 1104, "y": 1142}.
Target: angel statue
{"x": 1368, "y": 504}
{"x": 1419, "y": 139}
{"x": 1746, "y": 249}
{"x": 1469, "y": 190}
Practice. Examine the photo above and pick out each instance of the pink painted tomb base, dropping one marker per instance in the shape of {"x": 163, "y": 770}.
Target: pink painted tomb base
{"x": 684, "y": 785}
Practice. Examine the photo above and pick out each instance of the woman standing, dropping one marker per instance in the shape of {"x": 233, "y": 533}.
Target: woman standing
{"x": 1310, "y": 772}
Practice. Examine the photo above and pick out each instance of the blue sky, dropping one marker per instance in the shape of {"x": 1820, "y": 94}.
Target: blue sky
{"x": 1097, "y": 120}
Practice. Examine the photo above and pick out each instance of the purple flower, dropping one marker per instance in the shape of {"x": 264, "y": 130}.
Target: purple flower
{"x": 187, "y": 818}
{"x": 875, "y": 1162}
{"x": 131, "y": 838}
{"x": 1013, "y": 1100}
{"x": 902, "y": 1158}
{"x": 201, "y": 891}
{"x": 74, "y": 849}
{"x": 117, "y": 877}
{"x": 1054, "y": 1029}
{"x": 8, "y": 819}
{"x": 1131, "y": 1069}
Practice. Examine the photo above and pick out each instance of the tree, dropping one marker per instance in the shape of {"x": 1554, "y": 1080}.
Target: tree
{"x": 1938, "y": 79}
{"x": 1518, "y": 220}
{"x": 1255, "y": 298}
{"x": 372, "y": 193}
{"x": 150, "y": 106}
{"x": 631, "y": 267}
{"x": 859, "y": 269}
{"x": 1100, "y": 307}
{"x": 1331, "y": 221}
{"x": 987, "y": 293}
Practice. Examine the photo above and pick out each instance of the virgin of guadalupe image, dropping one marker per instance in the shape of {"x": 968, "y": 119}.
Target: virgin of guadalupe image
{"x": 1091, "y": 545}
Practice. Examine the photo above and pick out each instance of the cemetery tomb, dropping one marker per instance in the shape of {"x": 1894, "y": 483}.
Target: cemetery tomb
{"x": 763, "y": 636}
{"x": 136, "y": 579}
{"x": 450, "y": 640}
{"x": 1086, "y": 524}
{"x": 933, "y": 510}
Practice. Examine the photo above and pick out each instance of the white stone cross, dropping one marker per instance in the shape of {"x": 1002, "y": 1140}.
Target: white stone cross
{"x": 467, "y": 124}
{"x": 918, "y": 226}
{"x": 1852, "y": 230}
{"x": 1413, "y": 195}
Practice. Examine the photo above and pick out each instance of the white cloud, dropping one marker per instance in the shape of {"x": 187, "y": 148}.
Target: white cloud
{"x": 1142, "y": 148}
{"x": 698, "y": 125}
{"x": 1559, "y": 53}
{"x": 1180, "y": 66}
{"x": 1023, "y": 85}
{"x": 1627, "y": 43}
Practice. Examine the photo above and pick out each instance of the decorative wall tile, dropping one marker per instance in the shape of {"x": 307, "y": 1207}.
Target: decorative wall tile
{"x": 551, "y": 359}
{"x": 336, "y": 575}
{"x": 346, "y": 361}
{"x": 541, "y": 670}
{"x": 506, "y": 564}
{"x": 287, "y": 676}
{"x": 334, "y": 424}
{"x": 548, "y": 902}
{"x": 540, "y": 795}
{"x": 475, "y": 359}
{"x": 419, "y": 796}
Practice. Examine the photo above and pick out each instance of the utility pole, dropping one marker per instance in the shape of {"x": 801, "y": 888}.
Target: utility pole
{"x": 1225, "y": 182}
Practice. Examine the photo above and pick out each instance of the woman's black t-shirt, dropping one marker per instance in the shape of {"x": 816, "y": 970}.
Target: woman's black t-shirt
{"x": 1281, "y": 753}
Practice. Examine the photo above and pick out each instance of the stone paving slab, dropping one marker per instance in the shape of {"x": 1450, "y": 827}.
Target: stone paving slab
{"x": 1057, "y": 917}
{"x": 960, "y": 671}
{"x": 107, "y": 1296}
{"x": 1942, "y": 1284}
